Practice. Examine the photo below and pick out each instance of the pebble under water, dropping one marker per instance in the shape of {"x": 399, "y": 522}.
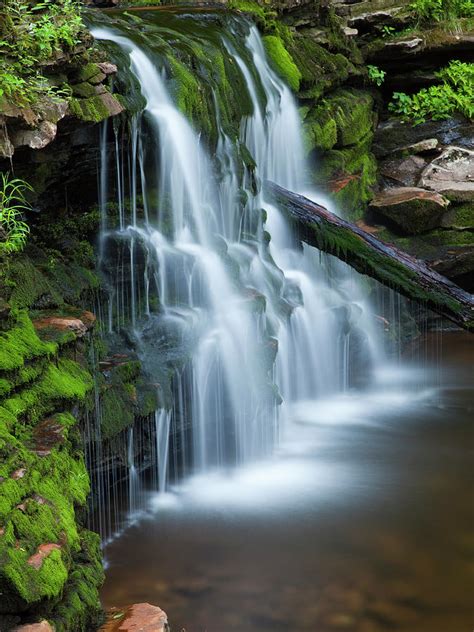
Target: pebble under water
{"x": 362, "y": 521}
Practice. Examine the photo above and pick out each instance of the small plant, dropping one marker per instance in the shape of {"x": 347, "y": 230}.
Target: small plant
{"x": 441, "y": 10}
{"x": 13, "y": 230}
{"x": 29, "y": 35}
{"x": 454, "y": 94}
{"x": 376, "y": 75}
{"x": 388, "y": 31}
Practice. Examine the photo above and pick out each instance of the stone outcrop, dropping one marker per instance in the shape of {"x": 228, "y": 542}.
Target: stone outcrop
{"x": 452, "y": 174}
{"x": 139, "y": 617}
{"x": 412, "y": 209}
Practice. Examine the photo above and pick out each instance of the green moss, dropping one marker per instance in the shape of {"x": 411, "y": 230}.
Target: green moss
{"x": 37, "y": 508}
{"x": 84, "y": 90}
{"x": 89, "y": 71}
{"x": 21, "y": 344}
{"x": 118, "y": 408}
{"x": 62, "y": 383}
{"x": 92, "y": 109}
{"x": 80, "y": 607}
{"x": 320, "y": 69}
{"x": 282, "y": 61}
{"x": 366, "y": 260}
{"x": 189, "y": 94}
{"x": 462, "y": 216}
{"x": 252, "y": 8}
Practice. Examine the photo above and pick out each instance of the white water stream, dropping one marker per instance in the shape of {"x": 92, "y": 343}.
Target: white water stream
{"x": 236, "y": 299}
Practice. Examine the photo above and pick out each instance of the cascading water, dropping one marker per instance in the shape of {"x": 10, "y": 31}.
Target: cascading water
{"x": 202, "y": 275}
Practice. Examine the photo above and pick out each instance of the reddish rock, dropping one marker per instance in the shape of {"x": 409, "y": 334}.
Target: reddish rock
{"x": 337, "y": 184}
{"x": 139, "y": 617}
{"x": 42, "y": 626}
{"x": 36, "y": 560}
{"x": 19, "y": 473}
{"x": 79, "y": 326}
{"x": 107, "y": 68}
{"x": 47, "y": 434}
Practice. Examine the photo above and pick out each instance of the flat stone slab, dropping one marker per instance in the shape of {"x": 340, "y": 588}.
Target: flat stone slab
{"x": 139, "y": 617}
{"x": 412, "y": 209}
{"x": 452, "y": 174}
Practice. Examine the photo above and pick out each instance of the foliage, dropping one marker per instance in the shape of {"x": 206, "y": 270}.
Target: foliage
{"x": 388, "y": 31}
{"x": 441, "y": 10}
{"x": 454, "y": 94}
{"x": 30, "y": 35}
{"x": 376, "y": 75}
{"x": 13, "y": 230}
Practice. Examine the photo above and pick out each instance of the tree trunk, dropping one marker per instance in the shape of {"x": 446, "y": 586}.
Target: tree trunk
{"x": 365, "y": 253}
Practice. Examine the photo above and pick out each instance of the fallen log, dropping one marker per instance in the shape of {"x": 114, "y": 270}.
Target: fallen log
{"x": 365, "y": 253}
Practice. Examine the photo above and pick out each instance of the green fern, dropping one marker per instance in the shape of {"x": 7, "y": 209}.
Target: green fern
{"x": 13, "y": 203}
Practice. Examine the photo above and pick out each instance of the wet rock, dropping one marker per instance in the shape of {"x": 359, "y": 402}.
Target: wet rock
{"x": 452, "y": 174}
{"x": 403, "y": 171}
{"x": 412, "y": 209}
{"x": 140, "y": 617}
{"x": 37, "y": 138}
{"x": 393, "y": 135}
{"x": 42, "y": 626}
{"x": 36, "y": 560}
{"x": 409, "y": 45}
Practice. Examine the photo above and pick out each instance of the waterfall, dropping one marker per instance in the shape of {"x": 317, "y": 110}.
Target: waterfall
{"x": 262, "y": 323}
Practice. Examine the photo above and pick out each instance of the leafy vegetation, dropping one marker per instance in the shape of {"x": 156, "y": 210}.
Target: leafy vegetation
{"x": 438, "y": 102}
{"x": 376, "y": 75}
{"x": 32, "y": 33}
{"x": 441, "y": 10}
{"x": 13, "y": 230}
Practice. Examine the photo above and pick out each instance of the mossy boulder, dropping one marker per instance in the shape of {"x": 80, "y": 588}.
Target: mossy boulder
{"x": 282, "y": 61}
{"x": 97, "y": 108}
{"x": 321, "y": 70}
{"x": 46, "y": 557}
{"x": 410, "y": 209}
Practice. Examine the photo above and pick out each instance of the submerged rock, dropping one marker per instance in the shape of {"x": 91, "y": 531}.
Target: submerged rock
{"x": 139, "y": 617}
{"x": 412, "y": 209}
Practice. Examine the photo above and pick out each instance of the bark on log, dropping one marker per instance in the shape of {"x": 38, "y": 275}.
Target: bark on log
{"x": 365, "y": 253}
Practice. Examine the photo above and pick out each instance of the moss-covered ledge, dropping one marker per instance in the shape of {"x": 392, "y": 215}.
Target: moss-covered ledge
{"x": 50, "y": 565}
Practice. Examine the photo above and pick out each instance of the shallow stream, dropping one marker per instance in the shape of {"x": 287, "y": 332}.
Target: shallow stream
{"x": 362, "y": 520}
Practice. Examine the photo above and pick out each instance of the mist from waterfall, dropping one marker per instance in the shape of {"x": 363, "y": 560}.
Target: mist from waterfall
{"x": 267, "y": 324}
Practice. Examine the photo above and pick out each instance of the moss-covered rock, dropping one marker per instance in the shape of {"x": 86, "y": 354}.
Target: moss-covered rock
{"x": 410, "y": 209}
{"x": 43, "y": 481}
{"x": 282, "y": 61}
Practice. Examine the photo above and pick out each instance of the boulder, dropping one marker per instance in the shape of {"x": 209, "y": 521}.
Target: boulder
{"x": 393, "y": 136}
{"x": 139, "y": 617}
{"x": 36, "y": 138}
{"x": 412, "y": 209}
{"x": 403, "y": 171}
{"x": 452, "y": 174}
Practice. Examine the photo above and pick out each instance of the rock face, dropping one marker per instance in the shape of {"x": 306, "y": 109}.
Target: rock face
{"x": 452, "y": 174}
{"x": 412, "y": 209}
{"x": 139, "y": 617}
